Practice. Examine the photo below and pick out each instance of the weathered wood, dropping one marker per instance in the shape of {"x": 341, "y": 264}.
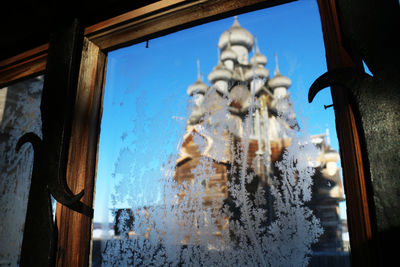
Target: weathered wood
{"x": 23, "y": 65}
{"x": 138, "y": 27}
{"x": 75, "y": 228}
{"x": 24, "y": 56}
{"x": 56, "y": 107}
{"x": 51, "y": 152}
{"x": 134, "y": 14}
{"x": 216, "y": 187}
{"x": 358, "y": 208}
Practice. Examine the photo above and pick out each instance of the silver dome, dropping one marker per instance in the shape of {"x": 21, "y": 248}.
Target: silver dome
{"x": 259, "y": 59}
{"x": 259, "y": 71}
{"x": 199, "y": 87}
{"x": 279, "y": 81}
{"x": 237, "y": 36}
{"x": 219, "y": 73}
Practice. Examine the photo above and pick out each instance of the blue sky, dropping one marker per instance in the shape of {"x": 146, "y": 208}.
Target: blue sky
{"x": 145, "y": 92}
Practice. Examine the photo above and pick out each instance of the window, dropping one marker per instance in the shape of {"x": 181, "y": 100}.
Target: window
{"x": 156, "y": 156}
{"x": 19, "y": 114}
{"x": 149, "y": 22}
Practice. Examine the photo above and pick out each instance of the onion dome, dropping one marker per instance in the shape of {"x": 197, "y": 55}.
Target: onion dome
{"x": 259, "y": 71}
{"x": 199, "y": 87}
{"x": 196, "y": 115}
{"x": 279, "y": 81}
{"x": 258, "y": 58}
{"x": 237, "y": 36}
{"x": 219, "y": 72}
{"x": 228, "y": 53}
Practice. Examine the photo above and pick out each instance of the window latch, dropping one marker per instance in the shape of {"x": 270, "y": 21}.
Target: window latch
{"x": 346, "y": 77}
{"x": 58, "y": 187}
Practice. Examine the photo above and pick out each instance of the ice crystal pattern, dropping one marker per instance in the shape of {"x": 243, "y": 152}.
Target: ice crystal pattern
{"x": 19, "y": 114}
{"x": 253, "y": 230}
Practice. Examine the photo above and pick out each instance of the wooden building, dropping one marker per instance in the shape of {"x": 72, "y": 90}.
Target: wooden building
{"x": 217, "y": 126}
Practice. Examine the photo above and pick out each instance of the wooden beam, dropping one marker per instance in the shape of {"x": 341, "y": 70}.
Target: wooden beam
{"x": 24, "y": 56}
{"x": 26, "y": 64}
{"x": 162, "y": 19}
{"x": 75, "y": 228}
{"x": 357, "y": 198}
{"x": 129, "y": 16}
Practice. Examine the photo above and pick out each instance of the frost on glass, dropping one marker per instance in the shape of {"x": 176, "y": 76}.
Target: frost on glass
{"x": 236, "y": 179}
{"x": 191, "y": 228}
{"x": 19, "y": 114}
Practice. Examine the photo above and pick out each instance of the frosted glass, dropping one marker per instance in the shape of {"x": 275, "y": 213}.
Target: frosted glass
{"x": 19, "y": 114}
{"x": 223, "y": 164}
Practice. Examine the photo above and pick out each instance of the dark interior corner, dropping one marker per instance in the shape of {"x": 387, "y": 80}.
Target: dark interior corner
{"x": 28, "y": 24}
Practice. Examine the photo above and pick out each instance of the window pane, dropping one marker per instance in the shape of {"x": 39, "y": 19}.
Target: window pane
{"x": 19, "y": 114}
{"x": 229, "y": 166}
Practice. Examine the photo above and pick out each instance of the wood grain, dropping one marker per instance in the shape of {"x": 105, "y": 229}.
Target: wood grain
{"x": 27, "y": 64}
{"x": 144, "y": 11}
{"x": 24, "y": 56}
{"x": 139, "y": 27}
{"x": 358, "y": 210}
{"x": 75, "y": 228}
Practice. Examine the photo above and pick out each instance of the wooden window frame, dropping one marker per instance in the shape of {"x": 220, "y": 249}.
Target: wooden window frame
{"x": 158, "y": 19}
{"x": 24, "y": 65}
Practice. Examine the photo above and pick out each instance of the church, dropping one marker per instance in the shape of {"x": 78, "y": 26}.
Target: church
{"x": 241, "y": 85}
{"x": 71, "y": 48}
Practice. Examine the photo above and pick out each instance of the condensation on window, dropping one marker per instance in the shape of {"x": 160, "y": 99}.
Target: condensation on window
{"x": 206, "y": 157}
{"x": 19, "y": 114}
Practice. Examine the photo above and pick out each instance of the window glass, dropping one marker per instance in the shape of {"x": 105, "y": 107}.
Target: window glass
{"x": 19, "y": 114}
{"x": 210, "y": 154}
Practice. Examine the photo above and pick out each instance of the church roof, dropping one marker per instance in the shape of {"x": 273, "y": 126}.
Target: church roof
{"x": 258, "y": 58}
{"x": 256, "y": 71}
{"x": 199, "y": 87}
{"x": 237, "y": 36}
{"x": 228, "y": 53}
{"x": 219, "y": 72}
{"x": 279, "y": 81}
